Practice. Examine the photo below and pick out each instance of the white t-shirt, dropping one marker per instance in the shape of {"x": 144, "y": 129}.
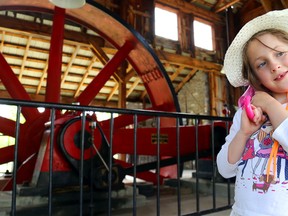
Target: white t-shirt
{"x": 255, "y": 195}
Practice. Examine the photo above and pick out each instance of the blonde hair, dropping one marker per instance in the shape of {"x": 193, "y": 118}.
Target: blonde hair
{"x": 247, "y": 72}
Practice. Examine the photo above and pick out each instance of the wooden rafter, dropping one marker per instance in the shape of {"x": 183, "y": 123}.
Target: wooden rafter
{"x": 225, "y": 6}
{"x": 134, "y": 85}
{"x": 2, "y": 41}
{"x": 284, "y": 3}
{"x": 103, "y": 58}
{"x": 177, "y": 72}
{"x": 130, "y": 73}
{"x": 267, "y": 5}
{"x": 98, "y": 51}
{"x": 190, "y": 8}
{"x": 42, "y": 78}
{"x": 77, "y": 48}
{"x": 218, "y": 4}
{"x": 25, "y": 57}
{"x": 185, "y": 80}
{"x": 188, "y": 62}
{"x": 112, "y": 92}
{"x": 85, "y": 75}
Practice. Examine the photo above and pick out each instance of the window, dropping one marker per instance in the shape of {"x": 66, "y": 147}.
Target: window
{"x": 166, "y": 24}
{"x": 203, "y": 35}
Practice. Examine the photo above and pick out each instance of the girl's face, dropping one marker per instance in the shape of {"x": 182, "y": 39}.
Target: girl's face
{"x": 268, "y": 58}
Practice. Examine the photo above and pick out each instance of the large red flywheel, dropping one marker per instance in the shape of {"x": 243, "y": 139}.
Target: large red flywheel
{"x": 130, "y": 47}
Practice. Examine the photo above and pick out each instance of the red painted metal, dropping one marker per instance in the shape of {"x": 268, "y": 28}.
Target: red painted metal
{"x": 125, "y": 120}
{"x": 6, "y": 154}
{"x": 7, "y": 126}
{"x": 60, "y": 163}
{"x": 15, "y": 88}
{"x": 55, "y": 57}
{"x": 147, "y": 140}
{"x": 98, "y": 82}
{"x": 69, "y": 141}
{"x": 23, "y": 173}
{"x": 146, "y": 144}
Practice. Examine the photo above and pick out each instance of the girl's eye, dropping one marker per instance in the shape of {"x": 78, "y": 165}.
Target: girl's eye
{"x": 262, "y": 64}
{"x": 280, "y": 54}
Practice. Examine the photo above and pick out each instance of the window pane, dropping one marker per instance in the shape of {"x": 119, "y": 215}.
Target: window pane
{"x": 166, "y": 24}
{"x": 203, "y": 35}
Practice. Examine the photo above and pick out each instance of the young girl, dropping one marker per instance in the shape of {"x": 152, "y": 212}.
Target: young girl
{"x": 256, "y": 149}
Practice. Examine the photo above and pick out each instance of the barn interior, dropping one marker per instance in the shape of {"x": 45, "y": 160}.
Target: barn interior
{"x": 109, "y": 58}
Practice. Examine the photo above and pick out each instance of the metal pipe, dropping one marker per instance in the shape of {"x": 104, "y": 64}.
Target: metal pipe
{"x": 15, "y": 162}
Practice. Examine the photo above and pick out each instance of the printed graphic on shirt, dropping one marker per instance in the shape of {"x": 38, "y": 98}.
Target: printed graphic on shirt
{"x": 255, "y": 162}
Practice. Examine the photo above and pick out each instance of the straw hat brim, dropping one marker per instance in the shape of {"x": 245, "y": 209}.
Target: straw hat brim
{"x": 233, "y": 62}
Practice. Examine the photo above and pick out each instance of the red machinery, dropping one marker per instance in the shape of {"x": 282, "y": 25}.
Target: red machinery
{"x": 34, "y": 139}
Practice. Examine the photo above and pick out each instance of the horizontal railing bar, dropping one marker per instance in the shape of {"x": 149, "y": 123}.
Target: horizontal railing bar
{"x": 111, "y": 110}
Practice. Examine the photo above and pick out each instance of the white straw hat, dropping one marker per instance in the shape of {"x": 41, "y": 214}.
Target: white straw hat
{"x": 233, "y": 62}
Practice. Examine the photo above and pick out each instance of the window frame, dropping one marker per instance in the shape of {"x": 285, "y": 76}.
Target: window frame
{"x": 212, "y": 33}
{"x": 169, "y": 9}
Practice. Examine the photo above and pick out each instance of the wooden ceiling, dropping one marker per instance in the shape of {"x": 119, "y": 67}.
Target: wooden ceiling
{"x": 218, "y": 6}
{"x": 25, "y": 44}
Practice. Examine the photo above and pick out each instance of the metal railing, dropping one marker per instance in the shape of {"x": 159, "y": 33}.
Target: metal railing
{"x": 102, "y": 185}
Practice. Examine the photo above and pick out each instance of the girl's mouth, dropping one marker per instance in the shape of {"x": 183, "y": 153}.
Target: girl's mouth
{"x": 281, "y": 76}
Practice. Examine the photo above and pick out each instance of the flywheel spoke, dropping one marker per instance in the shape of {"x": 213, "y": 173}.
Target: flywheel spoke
{"x": 98, "y": 82}
{"x": 7, "y": 126}
{"x": 15, "y": 88}
{"x": 55, "y": 57}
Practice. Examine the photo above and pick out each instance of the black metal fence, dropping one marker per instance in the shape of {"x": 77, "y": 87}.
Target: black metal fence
{"x": 136, "y": 162}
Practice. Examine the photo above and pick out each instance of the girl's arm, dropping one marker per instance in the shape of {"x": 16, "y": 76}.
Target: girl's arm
{"x": 225, "y": 168}
{"x": 240, "y": 131}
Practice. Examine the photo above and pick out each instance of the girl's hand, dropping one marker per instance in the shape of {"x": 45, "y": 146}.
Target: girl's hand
{"x": 271, "y": 106}
{"x": 259, "y": 117}
{"x": 249, "y": 126}
{"x": 263, "y": 100}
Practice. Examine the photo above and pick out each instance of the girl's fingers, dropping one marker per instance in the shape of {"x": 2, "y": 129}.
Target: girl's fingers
{"x": 259, "y": 117}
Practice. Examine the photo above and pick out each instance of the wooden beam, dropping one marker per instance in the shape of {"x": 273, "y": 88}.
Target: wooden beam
{"x": 284, "y": 3}
{"x": 185, "y": 80}
{"x": 130, "y": 73}
{"x": 177, "y": 72}
{"x": 218, "y": 4}
{"x": 192, "y": 9}
{"x": 25, "y": 57}
{"x": 188, "y": 62}
{"x": 267, "y": 5}
{"x": 64, "y": 76}
{"x": 36, "y": 28}
{"x": 225, "y": 6}
{"x": 85, "y": 75}
{"x": 98, "y": 51}
{"x": 42, "y": 78}
{"x": 133, "y": 86}
{"x": 122, "y": 85}
{"x": 112, "y": 92}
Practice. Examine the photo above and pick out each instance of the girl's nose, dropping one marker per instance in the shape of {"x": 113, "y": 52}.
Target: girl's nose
{"x": 275, "y": 67}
